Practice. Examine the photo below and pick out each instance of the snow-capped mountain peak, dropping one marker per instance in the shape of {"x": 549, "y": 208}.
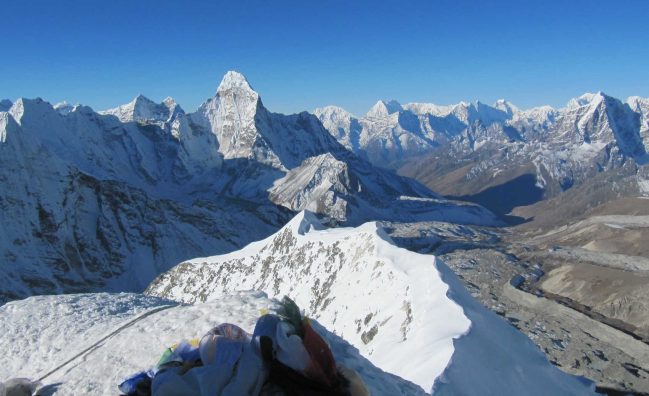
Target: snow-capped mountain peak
{"x": 638, "y": 104}
{"x": 144, "y": 109}
{"x": 64, "y": 108}
{"x": 342, "y": 124}
{"x": 332, "y": 113}
{"x": 383, "y": 109}
{"x": 172, "y": 105}
{"x": 231, "y": 115}
{"x": 586, "y": 99}
{"x": 507, "y": 107}
{"x": 488, "y": 114}
{"x": 235, "y": 81}
{"x": 536, "y": 116}
{"x": 38, "y": 109}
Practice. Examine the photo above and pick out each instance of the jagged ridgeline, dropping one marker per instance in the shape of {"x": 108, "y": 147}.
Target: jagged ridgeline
{"x": 482, "y": 153}
{"x": 108, "y": 200}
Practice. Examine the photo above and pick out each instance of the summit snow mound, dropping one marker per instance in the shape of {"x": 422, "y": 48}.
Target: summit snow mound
{"x": 92, "y": 342}
{"x": 405, "y": 312}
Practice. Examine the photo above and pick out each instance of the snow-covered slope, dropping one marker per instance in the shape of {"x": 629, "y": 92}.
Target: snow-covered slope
{"x": 350, "y": 195}
{"x": 404, "y": 311}
{"x": 122, "y": 334}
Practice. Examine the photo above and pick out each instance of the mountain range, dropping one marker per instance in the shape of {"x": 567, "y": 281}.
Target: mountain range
{"x": 479, "y": 152}
{"x": 197, "y": 206}
{"x": 108, "y": 200}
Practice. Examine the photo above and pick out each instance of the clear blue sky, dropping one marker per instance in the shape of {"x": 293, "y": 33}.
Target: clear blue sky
{"x": 304, "y": 54}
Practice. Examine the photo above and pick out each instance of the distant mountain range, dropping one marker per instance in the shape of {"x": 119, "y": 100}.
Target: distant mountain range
{"x": 468, "y": 149}
{"x": 108, "y": 200}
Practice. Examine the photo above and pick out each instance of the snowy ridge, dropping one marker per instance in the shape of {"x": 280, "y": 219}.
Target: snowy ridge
{"x": 386, "y": 301}
{"x": 64, "y": 108}
{"x": 144, "y": 109}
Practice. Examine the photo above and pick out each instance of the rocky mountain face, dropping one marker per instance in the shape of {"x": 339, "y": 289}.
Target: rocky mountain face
{"x": 89, "y": 203}
{"x": 477, "y": 152}
{"x": 106, "y": 201}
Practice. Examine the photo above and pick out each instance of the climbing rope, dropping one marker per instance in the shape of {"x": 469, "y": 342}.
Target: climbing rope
{"x": 99, "y": 342}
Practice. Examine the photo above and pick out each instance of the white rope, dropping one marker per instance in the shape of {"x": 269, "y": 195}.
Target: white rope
{"x": 98, "y": 343}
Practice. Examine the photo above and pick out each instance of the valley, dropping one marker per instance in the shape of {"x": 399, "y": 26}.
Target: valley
{"x": 578, "y": 289}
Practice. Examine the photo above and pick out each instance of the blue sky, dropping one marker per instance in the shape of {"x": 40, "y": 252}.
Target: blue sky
{"x": 304, "y": 54}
